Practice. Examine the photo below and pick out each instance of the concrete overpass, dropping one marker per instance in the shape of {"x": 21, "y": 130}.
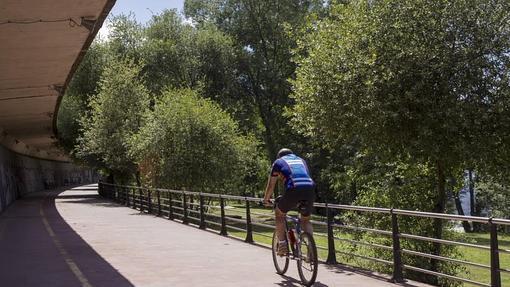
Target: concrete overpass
{"x": 42, "y": 43}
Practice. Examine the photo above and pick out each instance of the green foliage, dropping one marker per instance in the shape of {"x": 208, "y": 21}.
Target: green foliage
{"x": 126, "y": 37}
{"x": 404, "y": 186}
{"x": 422, "y": 78}
{"x": 493, "y": 195}
{"x": 191, "y": 143}
{"x": 180, "y": 55}
{"x": 263, "y": 64}
{"x": 419, "y": 87}
{"x": 83, "y": 85}
{"x": 115, "y": 115}
{"x": 68, "y": 124}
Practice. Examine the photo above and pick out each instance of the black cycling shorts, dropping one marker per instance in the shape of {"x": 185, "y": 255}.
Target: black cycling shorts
{"x": 292, "y": 197}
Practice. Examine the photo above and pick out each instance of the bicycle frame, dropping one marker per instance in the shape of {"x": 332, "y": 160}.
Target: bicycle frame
{"x": 296, "y": 238}
{"x": 294, "y": 243}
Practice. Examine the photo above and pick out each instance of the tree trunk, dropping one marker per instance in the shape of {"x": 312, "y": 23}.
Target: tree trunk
{"x": 460, "y": 211}
{"x": 138, "y": 178}
{"x": 110, "y": 179}
{"x": 471, "y": 193}
{"x": 266, "y": 116}
{"x": 439, "y": 208}
{"x": 472, "y": 203}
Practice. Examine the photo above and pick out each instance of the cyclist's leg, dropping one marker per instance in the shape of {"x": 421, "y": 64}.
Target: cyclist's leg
{"x": 280, "y": 223}
{"x": 280, "y": 213}
{"x": 306, "y": 225}
{"x": 284, "y": 203}
{"x": 309, "y": 196}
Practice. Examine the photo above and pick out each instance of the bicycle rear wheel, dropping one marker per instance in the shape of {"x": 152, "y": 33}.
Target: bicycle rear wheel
{"x": 281, "y": 263}
{"x": 307, "y": 263}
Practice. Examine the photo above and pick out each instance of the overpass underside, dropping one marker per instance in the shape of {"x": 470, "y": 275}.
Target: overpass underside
{"x": 42, "y": 43}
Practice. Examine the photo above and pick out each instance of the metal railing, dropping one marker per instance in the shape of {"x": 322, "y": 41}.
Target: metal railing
{"x": 208, "y": 210}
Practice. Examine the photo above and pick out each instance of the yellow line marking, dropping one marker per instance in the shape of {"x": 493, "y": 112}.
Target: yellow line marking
{"x": 67, "y": 258}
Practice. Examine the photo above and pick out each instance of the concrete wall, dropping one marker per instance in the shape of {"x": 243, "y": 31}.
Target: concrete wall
{"x": 20, "y": 175}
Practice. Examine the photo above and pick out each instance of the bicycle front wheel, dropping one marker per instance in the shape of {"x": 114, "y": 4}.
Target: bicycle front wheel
{"x": 307, "y": 262}
{"x": 281, "y": 263}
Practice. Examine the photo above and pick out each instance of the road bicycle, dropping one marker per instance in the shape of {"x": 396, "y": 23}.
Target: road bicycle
{"x": 302, "y": 249}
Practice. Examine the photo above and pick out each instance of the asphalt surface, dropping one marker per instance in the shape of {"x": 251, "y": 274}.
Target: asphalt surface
{"x": 76, "y": 238}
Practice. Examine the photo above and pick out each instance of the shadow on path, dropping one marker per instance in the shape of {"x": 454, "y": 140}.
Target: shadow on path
{"x": 292, "y": 282}
{"x": 347, "y": 270}
{"x": 39, "y": 248}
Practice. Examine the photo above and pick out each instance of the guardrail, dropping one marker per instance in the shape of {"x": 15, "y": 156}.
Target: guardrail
{"x": 206, "y": 209}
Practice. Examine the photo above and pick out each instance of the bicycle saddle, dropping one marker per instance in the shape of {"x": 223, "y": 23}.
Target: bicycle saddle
{"x": 301, "y": 207}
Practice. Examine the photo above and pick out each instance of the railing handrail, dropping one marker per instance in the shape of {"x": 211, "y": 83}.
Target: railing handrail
{"x": 185, "y": 207}
{"x": 499, "y": 221}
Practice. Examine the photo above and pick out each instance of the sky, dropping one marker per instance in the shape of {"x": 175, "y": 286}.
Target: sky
{"x": 142, "y": 9}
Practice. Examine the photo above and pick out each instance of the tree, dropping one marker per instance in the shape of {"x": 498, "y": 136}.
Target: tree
{"x": 493, "y": 196}
{"x": 125, "y": 40}
{"x": 260, "y": 30}
{"x": 192, "y": 144}
{"x": 115, "y": 115}
{"x": 126, "y": 37}
{"x": 420, "y": 80}
{"x": 201, "y": 57}
{"x": 180, "y": 55}
{"x": 82, "y": 87}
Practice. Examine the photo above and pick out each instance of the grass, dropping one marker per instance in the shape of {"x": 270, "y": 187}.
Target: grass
{"x": 483, "y": 257}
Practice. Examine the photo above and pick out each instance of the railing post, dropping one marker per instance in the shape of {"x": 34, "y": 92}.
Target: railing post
{"x": 397, "y": 255}
{"x": 249, "y": 228}
{"x": 140, "y": 198}
{"x": 159, "y": 201}
{"x": 331, "y": 239}
{"x": 133, "y": 199}
{"x": 149, "y": 201}
{"x": 202, "y": 215}
{"x": 170, "y": 208}
{"x": 185, "y": 209}
{"x": 495, "y": 273}
{"x": 126, "y": 196}
{"x": 223, "y": 223}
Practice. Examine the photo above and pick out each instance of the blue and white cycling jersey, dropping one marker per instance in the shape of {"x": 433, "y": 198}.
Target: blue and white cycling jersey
{"x": 294, "y": 171}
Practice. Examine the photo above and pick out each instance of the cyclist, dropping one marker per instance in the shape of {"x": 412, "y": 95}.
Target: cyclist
{"x": 298, "y": 187}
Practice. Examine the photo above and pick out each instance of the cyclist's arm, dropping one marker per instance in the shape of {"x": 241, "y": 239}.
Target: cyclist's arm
{"x": 271, "y": 183}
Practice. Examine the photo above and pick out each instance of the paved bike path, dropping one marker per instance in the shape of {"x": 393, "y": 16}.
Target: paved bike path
{"x": 76, "y": 238}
